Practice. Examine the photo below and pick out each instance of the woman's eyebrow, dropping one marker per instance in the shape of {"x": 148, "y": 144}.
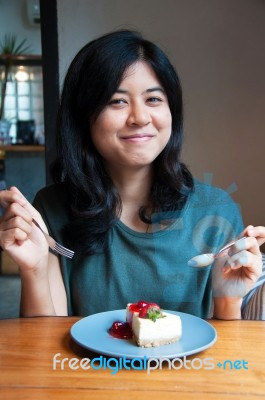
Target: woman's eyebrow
{"x": 155, "y": 89}
{"x": 150, "y": 90}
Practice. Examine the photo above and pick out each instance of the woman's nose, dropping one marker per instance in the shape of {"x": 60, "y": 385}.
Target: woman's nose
{"x": 139, "y": 115}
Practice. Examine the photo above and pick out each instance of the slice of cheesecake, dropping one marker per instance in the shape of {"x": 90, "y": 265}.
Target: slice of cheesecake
{"x": 151, "y": 326}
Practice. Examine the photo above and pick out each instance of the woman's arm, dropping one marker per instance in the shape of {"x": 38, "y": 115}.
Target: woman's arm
{"x": 43, "y": 291}
{"x": 227, "y": 308}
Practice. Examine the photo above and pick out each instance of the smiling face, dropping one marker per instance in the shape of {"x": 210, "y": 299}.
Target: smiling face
{"x": 135, "y": 125}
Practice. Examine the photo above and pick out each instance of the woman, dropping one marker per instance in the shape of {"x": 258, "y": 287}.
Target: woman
{"x": 124, "y": 201}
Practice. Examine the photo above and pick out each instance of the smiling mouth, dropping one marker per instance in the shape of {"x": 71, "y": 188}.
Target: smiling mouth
{"x": 138, "y": 138}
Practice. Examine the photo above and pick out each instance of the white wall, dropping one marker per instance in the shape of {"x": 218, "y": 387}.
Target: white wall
{"x": 13, "y": 19}
{"x": 217, "y": 47}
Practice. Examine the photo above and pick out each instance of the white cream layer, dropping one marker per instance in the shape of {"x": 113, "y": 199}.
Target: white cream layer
{"x": 148, "y": 333}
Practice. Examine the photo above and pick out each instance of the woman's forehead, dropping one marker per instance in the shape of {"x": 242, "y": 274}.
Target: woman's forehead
{"x": 139, "y": 69}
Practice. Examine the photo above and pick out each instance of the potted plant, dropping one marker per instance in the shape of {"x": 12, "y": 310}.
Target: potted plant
{"x": 10, "y": 48}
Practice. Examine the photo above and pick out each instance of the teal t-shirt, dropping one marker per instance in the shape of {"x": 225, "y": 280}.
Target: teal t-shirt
{"x": 147, "y": 266}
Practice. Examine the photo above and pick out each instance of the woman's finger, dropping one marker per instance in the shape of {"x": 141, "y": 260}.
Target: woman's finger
{"x": 11, "y": 236}
{"x": 246, "y": 243}
{"x": 8, "y": 197}
{"x": 16, "y": 210}
{"x": 17, "y": 222}
{"x": 255, "y": 231}
{"x": 25, "y": 203}
{"x": 246, "y": 259}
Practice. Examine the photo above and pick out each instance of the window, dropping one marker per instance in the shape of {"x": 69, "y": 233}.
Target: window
{"x": 24, "y": 99}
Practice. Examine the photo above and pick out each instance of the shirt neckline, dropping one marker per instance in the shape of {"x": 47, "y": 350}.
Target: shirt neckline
{"x": 150, "y": 235}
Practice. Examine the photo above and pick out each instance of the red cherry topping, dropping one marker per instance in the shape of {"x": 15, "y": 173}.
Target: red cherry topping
{"x": 144, "y": 311}
{"x": 142, "y": 307}
{"x": 121, "y": 330}
{"x": 136, "y": 307}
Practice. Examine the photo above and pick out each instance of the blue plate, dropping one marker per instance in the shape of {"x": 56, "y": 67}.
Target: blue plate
{"x": 92, "y": 333}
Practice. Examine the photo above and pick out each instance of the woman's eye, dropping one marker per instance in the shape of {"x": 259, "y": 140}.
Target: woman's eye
{"x": 154, "y": 100}
{"x": 117, "y": 101}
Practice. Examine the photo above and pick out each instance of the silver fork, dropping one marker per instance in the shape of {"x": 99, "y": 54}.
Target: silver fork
{"x": 54, "y": 245}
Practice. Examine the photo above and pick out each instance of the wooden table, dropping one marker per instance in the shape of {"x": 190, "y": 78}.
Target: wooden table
{"x": 27, "y": 348}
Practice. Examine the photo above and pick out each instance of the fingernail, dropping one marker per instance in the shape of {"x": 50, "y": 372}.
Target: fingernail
{"x": 192, "y": 263}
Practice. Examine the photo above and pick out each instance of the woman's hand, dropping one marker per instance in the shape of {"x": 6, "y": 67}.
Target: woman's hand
{"x": 19, "y": 237}
{"x": 234, "y": 274}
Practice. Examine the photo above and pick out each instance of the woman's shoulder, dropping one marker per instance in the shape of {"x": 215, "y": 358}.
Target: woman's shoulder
{"x": 215, "y": 206}
{"x": 51, "y": 191}
{"x": 205, "y": 193}
{"x": 53, "y": 204}
{"x": 52, "y": 200}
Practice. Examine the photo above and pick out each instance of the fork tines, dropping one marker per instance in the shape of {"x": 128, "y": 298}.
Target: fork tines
{"x": 63, "y": 250}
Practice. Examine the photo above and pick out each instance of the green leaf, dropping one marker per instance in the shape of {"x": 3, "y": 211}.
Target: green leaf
{"x": 154, "y": 313}
{"x": 10, "y": 45}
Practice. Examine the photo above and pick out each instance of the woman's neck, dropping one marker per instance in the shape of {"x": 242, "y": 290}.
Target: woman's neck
{"x": 134, "y": 189}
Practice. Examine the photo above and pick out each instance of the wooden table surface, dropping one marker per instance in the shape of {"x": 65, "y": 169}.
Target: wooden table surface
{"x": 28, "y": 346}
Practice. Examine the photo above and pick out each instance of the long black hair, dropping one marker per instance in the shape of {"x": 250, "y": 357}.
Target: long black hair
{"x": 92, "y": 78}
